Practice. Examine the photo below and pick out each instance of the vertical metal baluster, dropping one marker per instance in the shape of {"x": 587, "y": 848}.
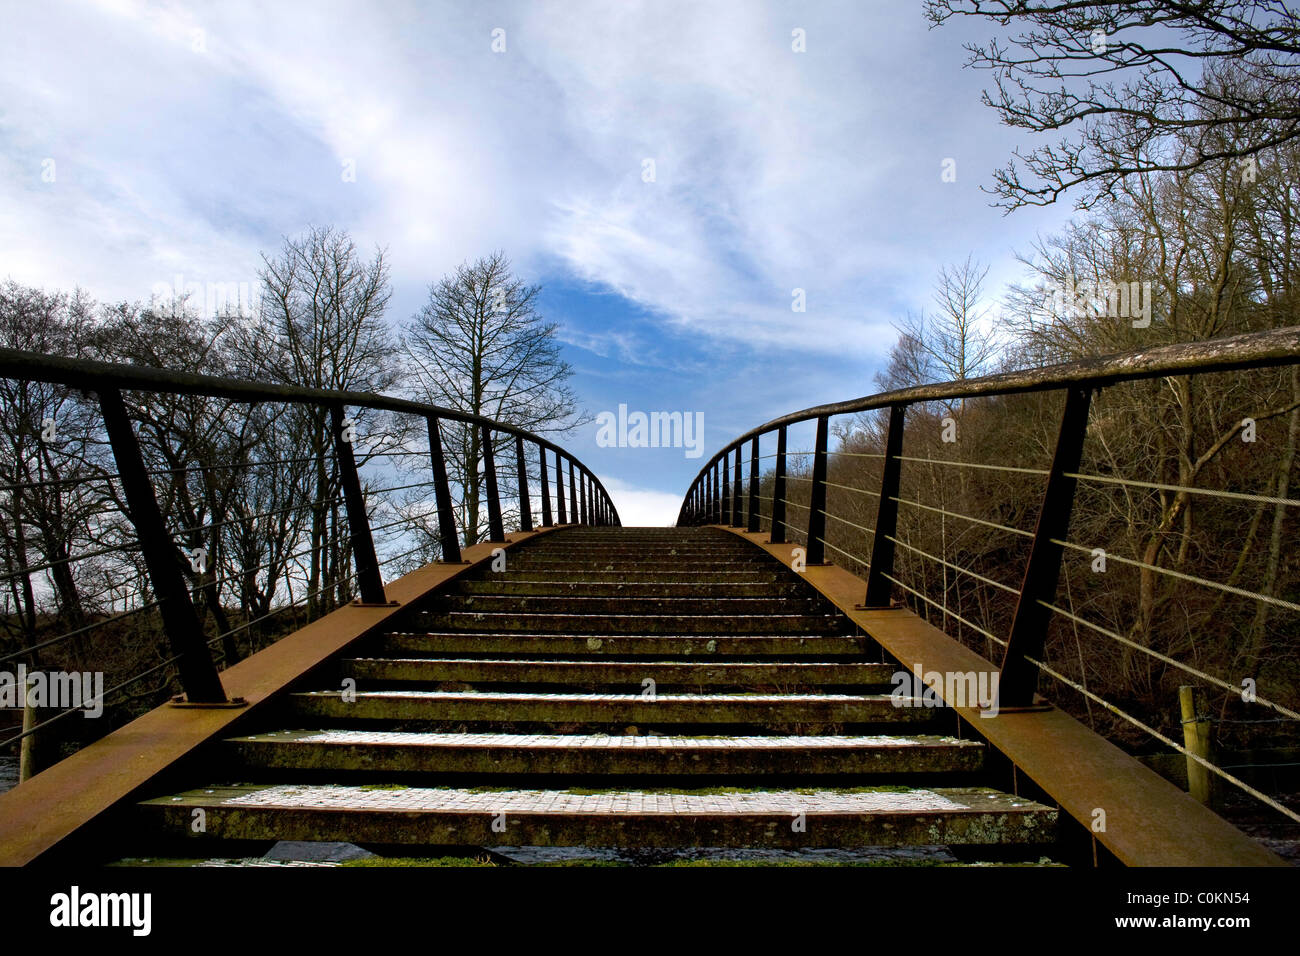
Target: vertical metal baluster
{"x": 573, "y": 494}
{"x": 496, "y": 528}
{"x": 737, "y": 519}
{"x": 559, "y": 490}
{"x": 879, "y": 587}
{"x": 1019, "y": 679}
{"x": 726, "y": 489}
{"x": 198, "y": 674}
{"x": 817, "y": 498}
{"x": 521, "y": 470}
{"x": 369, "y": 583}
{"x": 546, "y": 487}
{"x": 717, "y": 492}
{"x": 778, "y": 490}
{"x": 442, "y": 494}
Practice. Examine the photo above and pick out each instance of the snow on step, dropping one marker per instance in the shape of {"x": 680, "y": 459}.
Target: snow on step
{"x": 639, "y": 742}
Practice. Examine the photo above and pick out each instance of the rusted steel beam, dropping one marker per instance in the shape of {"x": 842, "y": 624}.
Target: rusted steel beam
{"x": 442, "y": 493}
{"x": 736, "y": 518}
{"x": 778, "y": 490}
{"x": 1149, "y": 821}
{"x": 559, "y": 491}
{"x": 546, "y": 487}
{"x": 369, "y": 582}
{"x": 496, "y": 529}
{"x": 573, "y": 494}
{"x": 1029, "y": 627}
{"x": 717, "y": 493}
{"x": 726, "y": 490}
{"x": 817, "y": 498}
{"x": 521, "y": 470}
{"x": 879, "y": 587}
{"x": 752, "y": 523}
{"x": 198, "y": 673}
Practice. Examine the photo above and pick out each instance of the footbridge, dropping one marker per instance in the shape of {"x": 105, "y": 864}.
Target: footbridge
{"x": 796, "y": 665}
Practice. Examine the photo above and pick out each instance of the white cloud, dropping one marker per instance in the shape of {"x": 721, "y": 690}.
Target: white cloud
{"x": 775, "y": 170}
{"x": 642, "y": 507}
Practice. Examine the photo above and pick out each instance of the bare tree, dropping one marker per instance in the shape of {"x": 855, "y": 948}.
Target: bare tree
{"x": 480, "y": 346}
{"x": 47, "y": 463}
{"x": 955, "y": 341}
{"x": 1125, "y": 78}
{"x": 321, "y": 325}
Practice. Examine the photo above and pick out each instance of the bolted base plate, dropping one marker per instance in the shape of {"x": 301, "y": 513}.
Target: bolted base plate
{"x": 234, "y": 702}
{"x": 1040, "y": 703}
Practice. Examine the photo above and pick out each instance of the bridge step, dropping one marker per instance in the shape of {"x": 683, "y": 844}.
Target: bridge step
{"x": 679, "y": 587}
{"x": 629, "y": 605}
{"x": 605, "y": 709}
{"x": 631, "y": 673}
{"x": 604, "y": 644}
{"x": 700, "y": 559}
{"x": 643, "y": 817}
{"x": 532, "y": 680}
{"x": 590, "y": 754}
{"x": 631, "y": 563}
{"x": 698, "y": 577}
{"x": 709, "y": 624}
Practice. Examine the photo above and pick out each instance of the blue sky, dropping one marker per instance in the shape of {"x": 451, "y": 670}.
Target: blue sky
{"x": 185, "y": 139}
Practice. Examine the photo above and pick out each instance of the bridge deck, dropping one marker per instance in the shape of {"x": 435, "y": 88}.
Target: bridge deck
{"x": 610, "y": 687}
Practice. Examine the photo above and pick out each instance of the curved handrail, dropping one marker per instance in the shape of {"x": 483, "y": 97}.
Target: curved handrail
{"x": 1232, "y": 353}
{"x": 88, "y": 374}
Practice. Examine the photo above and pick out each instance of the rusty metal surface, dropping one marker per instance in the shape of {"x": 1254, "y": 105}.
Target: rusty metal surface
{"x": 38, "y": 814}
{"x": 1149, "y": 821}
